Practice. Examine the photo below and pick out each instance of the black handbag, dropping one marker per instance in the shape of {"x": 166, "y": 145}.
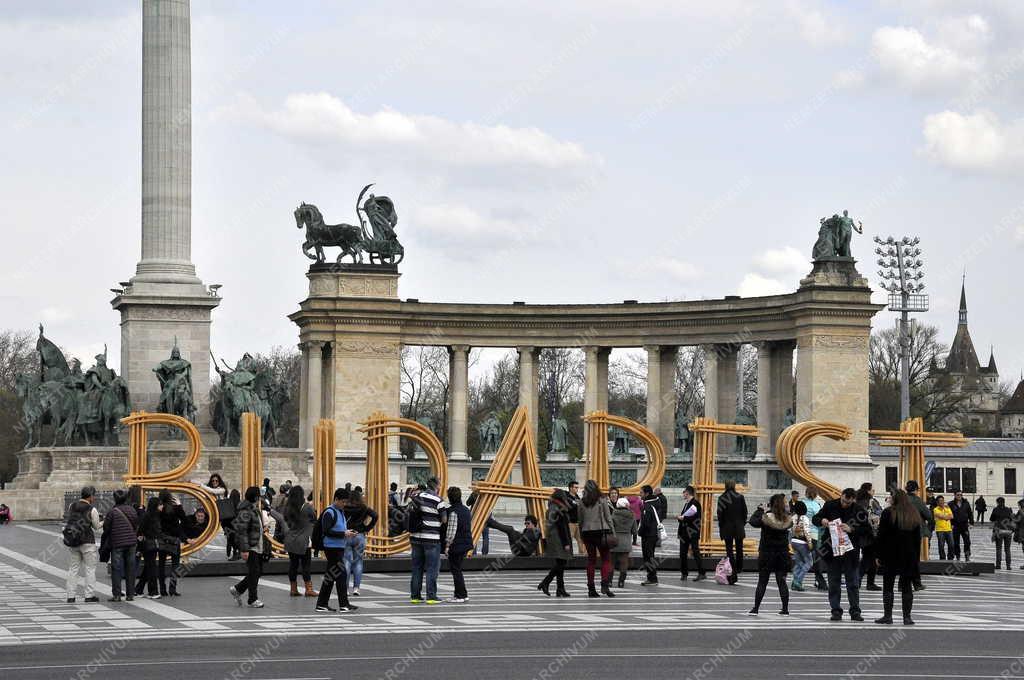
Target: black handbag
{"x": 226, "y": 509}
{"x": 169, "y": 545}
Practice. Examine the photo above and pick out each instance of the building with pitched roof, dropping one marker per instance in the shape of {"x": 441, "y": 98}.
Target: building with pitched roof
{"x": 1011, "y": 415}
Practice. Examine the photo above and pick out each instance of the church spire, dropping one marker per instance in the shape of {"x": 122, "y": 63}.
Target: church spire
{"x": 963, "y": 301}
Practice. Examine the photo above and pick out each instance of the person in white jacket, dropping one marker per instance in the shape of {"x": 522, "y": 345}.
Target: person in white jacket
{"x": 81, "y": 524}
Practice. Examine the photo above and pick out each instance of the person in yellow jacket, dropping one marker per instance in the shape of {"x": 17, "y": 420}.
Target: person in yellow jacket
{"x": 943, "y": 515}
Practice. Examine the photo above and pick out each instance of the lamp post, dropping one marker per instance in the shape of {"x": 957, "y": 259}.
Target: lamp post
{"x": 901, "y": 276}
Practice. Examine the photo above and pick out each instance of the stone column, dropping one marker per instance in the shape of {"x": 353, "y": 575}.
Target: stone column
{"x": 765, "y": 393}
{"x": 661, "y": 394}
{"x": 782, "y": 387}
{"x": 595, "y": 394}
{"x": 720, "y": 388}
{"x": 314, "y": 387}
{"x": 529, "y": 395}
{"x": 166, "y": 144}
{"x": 304, "y": 439}
{"x": 165, "y": 301}
{"x": 458, "y": 379}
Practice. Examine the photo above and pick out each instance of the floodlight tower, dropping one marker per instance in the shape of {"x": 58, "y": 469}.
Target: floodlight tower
{"x": 900, "y": 262}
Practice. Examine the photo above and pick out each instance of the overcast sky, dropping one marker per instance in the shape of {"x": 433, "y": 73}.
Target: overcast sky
{"x": 578, "y": 151}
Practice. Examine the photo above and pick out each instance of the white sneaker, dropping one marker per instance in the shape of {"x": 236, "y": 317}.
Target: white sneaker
{"x": 457, "y": 600}
{"x": 155, "y": 597}
{"x": 355, "y": 591}
{"x": 256, "y": 604}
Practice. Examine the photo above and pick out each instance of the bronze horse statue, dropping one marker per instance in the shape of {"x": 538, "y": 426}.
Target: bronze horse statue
{"x": 377, "y": 239}
{"x": 319, "y": 235}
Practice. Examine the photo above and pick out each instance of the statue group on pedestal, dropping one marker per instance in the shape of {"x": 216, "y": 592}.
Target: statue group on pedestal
{"x": 175, "y": 377}
{"x": 490, "y": 433}
{"x": 834, "y": 236}
{"x": 374, "y": 236}
{"x": 247, "y": 389}
{"x": 86, "y": 405}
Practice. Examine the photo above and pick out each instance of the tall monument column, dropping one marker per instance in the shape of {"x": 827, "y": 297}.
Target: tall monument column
{"x": 165, "y": 300}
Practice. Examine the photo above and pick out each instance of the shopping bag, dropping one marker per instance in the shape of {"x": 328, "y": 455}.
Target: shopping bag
{"x": 723, "y": 570}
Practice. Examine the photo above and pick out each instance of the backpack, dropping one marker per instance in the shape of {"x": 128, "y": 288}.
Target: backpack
{"x": 317, "y": 538}
{"x": 72, "y": 532}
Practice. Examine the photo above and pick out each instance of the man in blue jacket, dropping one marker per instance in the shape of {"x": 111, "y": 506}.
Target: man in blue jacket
{"x": 336, "y": 535}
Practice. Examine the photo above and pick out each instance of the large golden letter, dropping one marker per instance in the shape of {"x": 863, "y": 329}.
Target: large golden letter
{"x": 378, "y": 428}
{"x": 597, "y": 463}
{"x": 139, "y": 475}
{"x": 517, "y": 443}
{"x": 251, "y": 426}
{"x": 705, "y": 451}
{"x": 789, "y": 452}
{"x": 911, "y": 440}
{"x": 323, "y": 465}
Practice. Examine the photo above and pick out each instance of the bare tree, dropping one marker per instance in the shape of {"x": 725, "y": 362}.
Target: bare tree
{"x": 17, "y": 357}
{"x": 932, "y": 395}
{"x": 424, "y": 386}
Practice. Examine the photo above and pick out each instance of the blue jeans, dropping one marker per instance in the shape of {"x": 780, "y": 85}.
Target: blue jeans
{"x": 122, "y": 568}
{"x": 354, "y": 558}
{"x": 803, "y": 562}
{"x": 426, "y": 557}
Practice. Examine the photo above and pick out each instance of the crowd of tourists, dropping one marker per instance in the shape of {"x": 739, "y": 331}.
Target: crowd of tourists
{"x": 842, "y": 542}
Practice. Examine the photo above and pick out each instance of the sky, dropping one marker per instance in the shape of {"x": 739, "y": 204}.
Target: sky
{"x": 579, "y": 151}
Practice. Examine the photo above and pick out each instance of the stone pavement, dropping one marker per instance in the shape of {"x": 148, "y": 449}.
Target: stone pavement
{"x": 33, "y": 564}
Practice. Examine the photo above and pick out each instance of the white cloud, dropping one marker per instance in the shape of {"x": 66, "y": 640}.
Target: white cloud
{"x": 979, "y": 141}
{"x": 446, "y": 223}
{"x": 904, "y": 55}
{"x": 55, "y": 314}
{"x": 756, "y": 285}
{"x": 964, "y": 33}
{"x": 785, "y": 260}
{"x": 776, "y": 271}
{"x": 673, "y": 268}
{"x": 321, "y": 118}
{"x": 848, "y": 79}
{"x": 816, "y": 28}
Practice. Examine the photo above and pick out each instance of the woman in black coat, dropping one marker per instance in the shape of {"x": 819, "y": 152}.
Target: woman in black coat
{"x": 149, "y": 535}
{"x": 773, "y": 550}
{"x": 228, "y": 510}
{"x": 731, "y": 511}
{"x": 898, "y": 547}
{"x": 172, "y": 527}
{"x": 558, "y": 543}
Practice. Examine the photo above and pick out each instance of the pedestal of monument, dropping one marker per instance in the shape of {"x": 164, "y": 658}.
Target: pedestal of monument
{"x": 833, "y": 316}
{"x": 351, "y": 364}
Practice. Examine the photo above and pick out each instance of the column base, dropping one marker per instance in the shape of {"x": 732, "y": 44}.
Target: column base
{"x": 458, "y": 456}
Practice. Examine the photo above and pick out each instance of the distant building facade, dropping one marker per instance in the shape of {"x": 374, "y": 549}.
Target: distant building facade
{"x": 1011, "y": 415}
{"x": 964, "y": 374}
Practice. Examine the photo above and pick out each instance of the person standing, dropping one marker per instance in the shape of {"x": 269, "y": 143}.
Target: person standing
{"x": 870, "y": 512}
{"x": 801, "y": 542}
{"x": 963, "y": 518}
{"x": 425, "y": 538}
{"x": 689, "y": 535}
{"x": 81, "y": 522}
{"x": 943, "y": 516}
{"x": 249, "y": 536}
{"x": 299, "y": 518}
{"x": 636, "y": 505}
{"x": 853, "y": 523}
{"x": 595, "y": 515}
{"x": 558, "y": 544}
{"x": 1003, "y": 525}
{"x": 1018, "y": 529}
{"x": 172, "y": 535}
{"x": 813, "y": 505}
{"x": 650, "y": 520}
{"x": 149, "y": 534}
{"x": 120, "y": 532}
{"x": 980, "y": 506}
{"x": 622, "y": 523}
{"x": 927, "y": 521}
{"x": 794, "y": 498}
{"x": 336, "y": 535}
{"x": 228, "y": 512}
{"x": 660, "y": 503}
{"x": 773, "y": 550}
{"x": 899, "y": 550}
{"x": 731, "y": 511}
{"x": 458, "y": 541}
{"x": 361, "y": 518}
{"x": 574, "y": 516}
